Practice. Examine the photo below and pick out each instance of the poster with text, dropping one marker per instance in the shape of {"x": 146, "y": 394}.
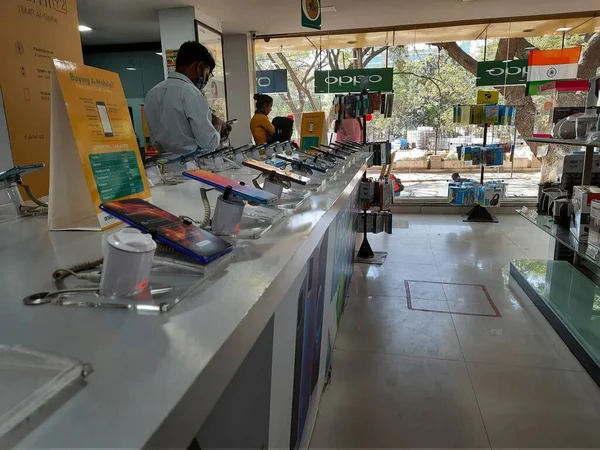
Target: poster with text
{"x": 92, "y": 141}
{"x": 309, "y": 333}
{"x": 31, "y": 35}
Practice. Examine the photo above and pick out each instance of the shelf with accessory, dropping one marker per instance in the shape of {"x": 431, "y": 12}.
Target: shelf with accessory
{"x": 482, "y": 195}
{"x": 376, "y": 197}
{"x": 566, "y": 287}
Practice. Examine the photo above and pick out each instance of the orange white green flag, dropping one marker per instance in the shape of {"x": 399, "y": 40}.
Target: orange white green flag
{"x": 551, "y": 65}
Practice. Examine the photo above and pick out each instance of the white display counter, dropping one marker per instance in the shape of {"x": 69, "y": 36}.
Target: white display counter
{"x": 234, "y": 364}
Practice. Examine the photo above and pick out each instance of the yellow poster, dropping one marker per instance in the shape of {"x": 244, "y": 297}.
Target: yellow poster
{"x": 148, "y": 145}
{"x": 488, "y": 97}
{"x": 94, "y": 152}
{"x": 33, "y": 32}
{"x": 312, "y": 131}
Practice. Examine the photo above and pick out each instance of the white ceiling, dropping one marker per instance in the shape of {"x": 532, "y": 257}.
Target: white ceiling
{"x": 131, "y": 21}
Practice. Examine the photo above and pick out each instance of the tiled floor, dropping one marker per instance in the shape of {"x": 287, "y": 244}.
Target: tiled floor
{"x": 417, "y": 378}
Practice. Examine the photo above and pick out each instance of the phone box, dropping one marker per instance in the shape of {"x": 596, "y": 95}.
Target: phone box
{"x": 490, "y": 195}
{"x": 493, "y": 155}
{"x": 462, "y": 194}
{"x": 582, "y": 206}
{"x": 594, "y": 232}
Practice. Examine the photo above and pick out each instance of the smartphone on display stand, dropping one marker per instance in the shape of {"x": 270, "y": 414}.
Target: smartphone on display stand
{"x": 220, "y": 183}
{"x": 338, "y": 150}
{"x": 316, "y": 159}
{"x": 329, "y": 154}
{"x": 104, "y": 119}
{"x": 169, "y": 229}
{"x": 280, "y": 173}
{"x": 301, "y": 163}
{"x": 14, "y": 174}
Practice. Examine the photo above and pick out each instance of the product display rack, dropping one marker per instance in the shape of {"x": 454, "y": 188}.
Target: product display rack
{"x": 565, "y": 287}
{"x": 480, "y": 213}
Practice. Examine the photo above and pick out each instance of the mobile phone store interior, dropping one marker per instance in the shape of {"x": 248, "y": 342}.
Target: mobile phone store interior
{"x": 409, "y": 259}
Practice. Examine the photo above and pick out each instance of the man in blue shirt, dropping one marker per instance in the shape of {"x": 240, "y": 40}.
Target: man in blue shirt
{"x": 177, "y": 112}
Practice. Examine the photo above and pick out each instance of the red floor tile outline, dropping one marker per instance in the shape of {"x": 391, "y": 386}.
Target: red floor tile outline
{"x": 483, "y": 288}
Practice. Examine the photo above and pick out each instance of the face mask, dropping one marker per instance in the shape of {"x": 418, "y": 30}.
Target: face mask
{"x": 201, "y": 82}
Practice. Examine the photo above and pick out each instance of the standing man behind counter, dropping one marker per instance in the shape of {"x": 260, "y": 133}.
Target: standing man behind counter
{"x": 177, "y": 112}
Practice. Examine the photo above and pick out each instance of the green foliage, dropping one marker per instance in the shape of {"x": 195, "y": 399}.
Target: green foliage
{"x": 427, "y": 83}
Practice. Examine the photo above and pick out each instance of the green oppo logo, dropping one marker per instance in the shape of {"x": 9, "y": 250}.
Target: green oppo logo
{"x": 499, "y": 73}
{"x": 344, "y": 81}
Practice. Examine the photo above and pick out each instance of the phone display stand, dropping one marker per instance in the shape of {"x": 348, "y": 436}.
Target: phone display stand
{"x": 30, "y": 380}
{"x": 10, "y": 202}
{"x": 174, "y": 278}
{"x": 217, "y": 164}
{"x": 273, "y": 187}
{"x": 292, "y": 199}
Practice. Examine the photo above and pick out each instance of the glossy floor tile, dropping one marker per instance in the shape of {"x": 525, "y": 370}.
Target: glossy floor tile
{"x": 533, "y": 408}
{"x": 386, "y": 325}
{"x": 388, "y": 401}
{"x": 460, "y": 359}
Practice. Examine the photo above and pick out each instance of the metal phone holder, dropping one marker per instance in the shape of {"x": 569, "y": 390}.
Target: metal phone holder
{"x": 228, "y": 214}
{"x": 273, "y": 186}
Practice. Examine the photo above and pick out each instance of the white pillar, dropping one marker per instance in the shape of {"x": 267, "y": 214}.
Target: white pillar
{"x": 177, "y": 25}
{"x": 238, "y": 55}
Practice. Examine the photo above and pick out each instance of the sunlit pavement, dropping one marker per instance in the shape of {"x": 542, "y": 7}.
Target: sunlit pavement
{"x": 421, "y": 184}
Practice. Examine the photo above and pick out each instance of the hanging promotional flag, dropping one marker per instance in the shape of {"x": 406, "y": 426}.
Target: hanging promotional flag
{"x": 551, "y": 65}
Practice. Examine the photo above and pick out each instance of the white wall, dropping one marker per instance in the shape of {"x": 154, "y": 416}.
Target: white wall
{"x": 238, "y": 59}
{"x": 176, "y": 27}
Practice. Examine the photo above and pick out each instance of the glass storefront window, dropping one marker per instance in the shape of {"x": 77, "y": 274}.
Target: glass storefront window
{"x": 215, "y": 90}
{"x": 434, "y": 69}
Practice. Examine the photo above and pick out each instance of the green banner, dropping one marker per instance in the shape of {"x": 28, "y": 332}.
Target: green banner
{"x": 500, "y": 73}
{"x": 344, "y": 81}
{"x": 311, "y": 14}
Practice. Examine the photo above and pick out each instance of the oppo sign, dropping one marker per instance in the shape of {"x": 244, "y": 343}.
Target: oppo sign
{"x": 271, "y": 81}
{"x": 344, "y": 81}
{"x": 355, "y": 81}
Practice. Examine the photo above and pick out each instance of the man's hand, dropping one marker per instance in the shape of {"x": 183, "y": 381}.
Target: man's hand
{"x": 218, "y": 124}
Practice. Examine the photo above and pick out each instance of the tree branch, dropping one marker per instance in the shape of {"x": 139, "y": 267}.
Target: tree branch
{"x": 301, "y": 88}
{"x": 460, "y": 56}
{"x": 424, "y": 77}
{"x": 373, "y": 54}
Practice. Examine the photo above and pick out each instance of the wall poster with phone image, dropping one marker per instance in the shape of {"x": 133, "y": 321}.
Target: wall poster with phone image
{"x": 94, "y": 155}
{"x": 309, "y": 333}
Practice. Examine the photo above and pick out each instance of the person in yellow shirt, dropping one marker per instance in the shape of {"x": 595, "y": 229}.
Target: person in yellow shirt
{"x": 260, "y": 126}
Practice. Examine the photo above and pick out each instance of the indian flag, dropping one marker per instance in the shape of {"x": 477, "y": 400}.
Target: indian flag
{"x": 551, "y": 65}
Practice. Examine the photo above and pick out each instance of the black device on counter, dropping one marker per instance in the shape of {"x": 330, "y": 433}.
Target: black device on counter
{"x": 168, "y": 229}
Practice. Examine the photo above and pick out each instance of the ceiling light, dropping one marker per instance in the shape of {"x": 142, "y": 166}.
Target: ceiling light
{"x": 130, "y": 68}
{"x": 564, "y": 29}
{"x": 84, "y": 28}
{"x": 328, "y": 9}
{"x": 159, "y": 53}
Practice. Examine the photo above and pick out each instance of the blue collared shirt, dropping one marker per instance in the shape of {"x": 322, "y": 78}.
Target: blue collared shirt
{"x": 178, "y": 116}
